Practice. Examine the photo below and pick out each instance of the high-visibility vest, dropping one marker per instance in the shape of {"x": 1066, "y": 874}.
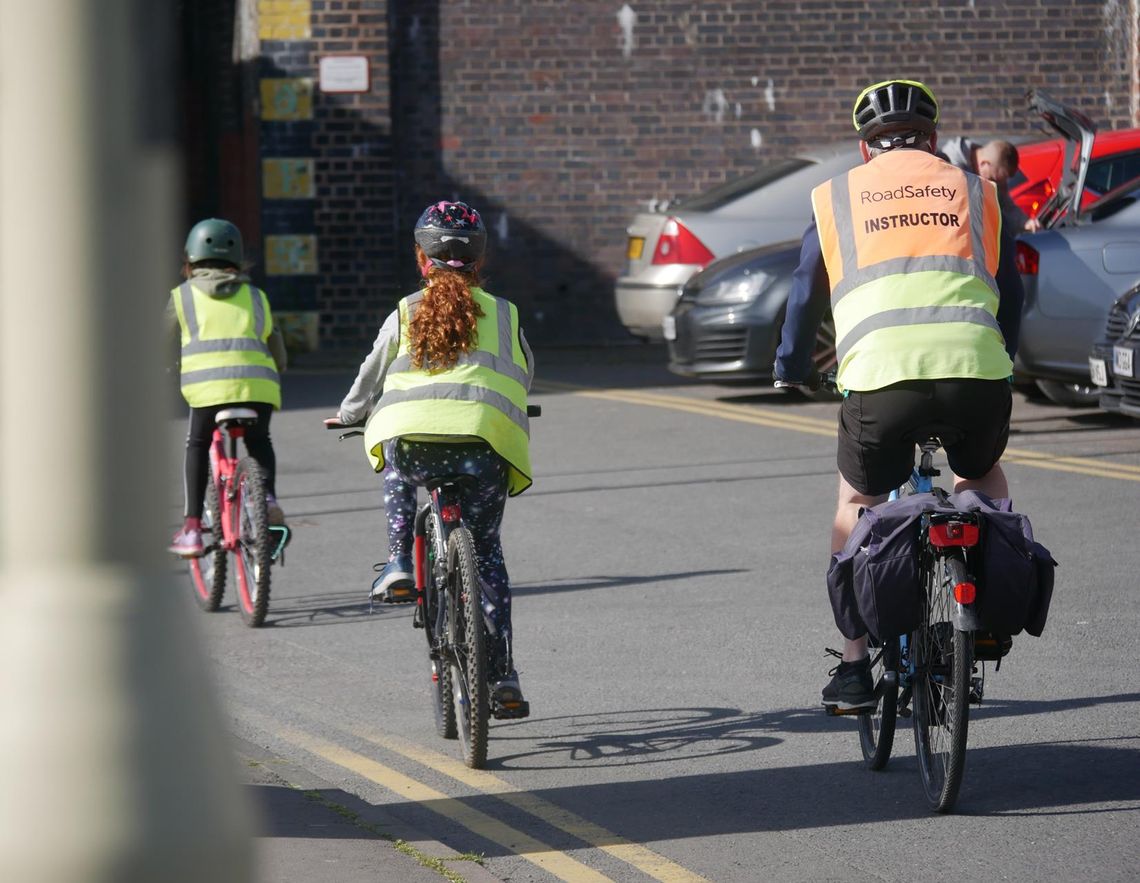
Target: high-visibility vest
{"x": 911, "y": 244}
{"x": 225, "y": 351}
{"x": 482, "y": 396}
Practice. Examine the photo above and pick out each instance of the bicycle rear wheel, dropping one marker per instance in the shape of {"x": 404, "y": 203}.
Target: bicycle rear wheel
{"x": 253, "y": 555}
{"x": 877, "y": 729}
{"x": 435, "y": 618}
{"x": 208, "y": 573}
{"x": 943, "y": 660}
{"x": 469, "y": 646}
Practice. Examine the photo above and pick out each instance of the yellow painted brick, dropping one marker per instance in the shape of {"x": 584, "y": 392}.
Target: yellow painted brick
{"x": 291, "y": 255}
{"x": 284, "y": 19}
{"x": 287, "y": 178}
{"x": 287, "y": 98}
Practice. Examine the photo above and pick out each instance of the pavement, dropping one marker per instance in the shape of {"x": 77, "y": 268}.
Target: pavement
{"x": 309, "y": 830}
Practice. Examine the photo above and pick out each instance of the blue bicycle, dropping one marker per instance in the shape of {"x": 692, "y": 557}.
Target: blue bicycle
{"x": 929, "y": 674}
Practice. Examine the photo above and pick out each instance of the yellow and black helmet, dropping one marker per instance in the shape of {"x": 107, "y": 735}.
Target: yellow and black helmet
{"x": 895, "y": 106}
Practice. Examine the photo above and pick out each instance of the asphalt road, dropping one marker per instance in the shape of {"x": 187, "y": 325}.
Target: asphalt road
{"x": 671, "y": 620}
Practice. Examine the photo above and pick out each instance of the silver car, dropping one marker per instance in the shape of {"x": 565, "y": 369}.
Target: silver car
{"x": 1075, "y": 270}
{"x": 667, "y": 245}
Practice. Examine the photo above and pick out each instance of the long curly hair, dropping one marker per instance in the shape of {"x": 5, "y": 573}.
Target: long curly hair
{"x": 444, "y": 321}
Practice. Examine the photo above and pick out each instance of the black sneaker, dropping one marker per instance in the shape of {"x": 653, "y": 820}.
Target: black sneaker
{"x": 851, "y": 689}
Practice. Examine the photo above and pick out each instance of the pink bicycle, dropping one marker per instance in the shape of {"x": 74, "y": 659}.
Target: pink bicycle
{"x": 235, "y": 522}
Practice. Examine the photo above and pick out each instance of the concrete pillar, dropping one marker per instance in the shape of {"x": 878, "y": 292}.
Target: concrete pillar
{"x": 113, "y": 762}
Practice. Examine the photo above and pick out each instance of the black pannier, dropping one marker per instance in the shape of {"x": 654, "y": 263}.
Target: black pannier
{"x": 874, "y": 580}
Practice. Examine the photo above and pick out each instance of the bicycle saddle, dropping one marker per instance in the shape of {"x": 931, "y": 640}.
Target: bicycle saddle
{"x": 457, "y": 480}
{"x": 240, "y": 416}
{"x": 941, "y": 433}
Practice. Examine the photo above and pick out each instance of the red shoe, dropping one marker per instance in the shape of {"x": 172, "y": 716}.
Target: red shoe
{"x": 187, "y": 543}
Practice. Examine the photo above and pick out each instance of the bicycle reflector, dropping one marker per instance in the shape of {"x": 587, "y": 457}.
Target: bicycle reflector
{"x": 450, "y": 513}
{"x": 965, "y": 593}
{"x": 953, "y": 533}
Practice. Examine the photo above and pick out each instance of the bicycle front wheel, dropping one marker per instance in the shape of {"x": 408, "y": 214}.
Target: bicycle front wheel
{"x": 253, "y": 555}
{"x": 943, "y": 660}
{"x": 877, "y": 729}
{"x": 469, "y": 647}
{"x": 208, "y": 573}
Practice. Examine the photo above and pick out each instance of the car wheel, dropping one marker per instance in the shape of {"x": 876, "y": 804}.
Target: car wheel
{"x": 823, "y": 357}
{"x": 1070, "y": 395}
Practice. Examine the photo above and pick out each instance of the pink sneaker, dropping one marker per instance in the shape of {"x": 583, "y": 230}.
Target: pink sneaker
{"x": 187, "y": 543}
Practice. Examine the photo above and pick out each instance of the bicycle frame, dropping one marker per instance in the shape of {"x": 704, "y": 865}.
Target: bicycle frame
{"x": 223, "y": 465}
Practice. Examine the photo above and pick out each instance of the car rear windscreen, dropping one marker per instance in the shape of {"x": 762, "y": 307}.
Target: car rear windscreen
{"x": 730, "y": 191}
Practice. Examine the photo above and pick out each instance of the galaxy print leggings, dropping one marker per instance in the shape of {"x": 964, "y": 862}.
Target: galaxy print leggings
{"x": 408, "y": 465}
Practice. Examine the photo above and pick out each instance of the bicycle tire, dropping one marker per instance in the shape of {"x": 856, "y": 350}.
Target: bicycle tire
{"x": 943, "y": 661}
{"x": 208, "y": 573}
{"x": 469, "y": 648}
{"x": 435, "y": 617}
{"x": 253, "y": 554}
{"x": 877, "y": 729}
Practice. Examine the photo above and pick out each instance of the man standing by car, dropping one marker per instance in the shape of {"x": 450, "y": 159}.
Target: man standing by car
{"x": 926, "y": 301}
{"x": 995, "y": 161}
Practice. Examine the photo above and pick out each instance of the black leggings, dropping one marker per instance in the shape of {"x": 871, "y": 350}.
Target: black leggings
{"x": 198, "y": 438}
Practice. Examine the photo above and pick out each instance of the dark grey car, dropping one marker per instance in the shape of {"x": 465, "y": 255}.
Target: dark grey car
{"x": 726, "y": 325}
{"x": 1114, "y": 363}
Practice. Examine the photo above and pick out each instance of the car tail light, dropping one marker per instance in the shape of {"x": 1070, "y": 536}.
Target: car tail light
{"x": 965, "y": 593}
{"x": 953, "y": 533}
{"x": 1027, "y": 259}
{"x": 677, "y": 245}
{"x": 1030, "y": 199}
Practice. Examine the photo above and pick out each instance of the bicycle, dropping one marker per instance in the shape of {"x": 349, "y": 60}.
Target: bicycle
{"x": 449, "y": 608}
{"x": 929, "y": 673}
{"x": 235, "y": 522}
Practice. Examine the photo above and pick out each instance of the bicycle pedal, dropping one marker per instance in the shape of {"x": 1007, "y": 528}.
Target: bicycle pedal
{"x": 510, "y": 710}
{"x": 399, "y": 594}
{"x": 836, "y": 711}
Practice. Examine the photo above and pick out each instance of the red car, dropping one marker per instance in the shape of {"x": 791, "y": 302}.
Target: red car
{"x": 1115, "y": 159}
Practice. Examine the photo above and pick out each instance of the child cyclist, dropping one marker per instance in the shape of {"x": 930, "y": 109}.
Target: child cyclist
{"x": 445, "y": 392}
{"x": 231, "y": 356}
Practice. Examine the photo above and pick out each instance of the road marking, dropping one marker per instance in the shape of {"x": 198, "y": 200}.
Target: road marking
{"x": 760, "y": 416}
{"x": 641, "y": 857}
{"x": 523, "y": 845}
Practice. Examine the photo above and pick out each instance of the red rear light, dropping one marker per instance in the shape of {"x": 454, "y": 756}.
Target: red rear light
{"x": 1027, "y": 259}
{"x": 953, "y": 533}
{"x": 677, "y": 245}
{"x": 450, "y": 513}
{"x": 965, "y": 593}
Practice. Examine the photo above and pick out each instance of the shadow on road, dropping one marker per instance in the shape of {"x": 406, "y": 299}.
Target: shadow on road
{"x": 581, "y": 584}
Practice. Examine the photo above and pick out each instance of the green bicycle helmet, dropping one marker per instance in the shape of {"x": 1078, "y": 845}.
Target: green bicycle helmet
{"x": 895, "y": 106}
{"x": 216, "y": 240}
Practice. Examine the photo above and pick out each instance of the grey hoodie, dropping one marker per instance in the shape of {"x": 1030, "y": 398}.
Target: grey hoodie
{"x": 217, "y": 283}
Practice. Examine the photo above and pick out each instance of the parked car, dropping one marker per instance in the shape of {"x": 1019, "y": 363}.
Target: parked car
{"x": 1075, "y": 269}
{"x": 1114, "y": 363}
{"x": 726, "y": 324}
{"x": 1115, "y": 159}
{"x": 668, "y": 245}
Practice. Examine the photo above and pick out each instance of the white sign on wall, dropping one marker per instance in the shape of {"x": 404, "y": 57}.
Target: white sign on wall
{"x": 344, "y": 73}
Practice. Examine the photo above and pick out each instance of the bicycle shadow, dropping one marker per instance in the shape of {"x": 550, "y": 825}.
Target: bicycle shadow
{"x": 325, "y": 610}
{"x": 998, "y": 708}
{"x": 586, "y": 583}
{"x": 658, "y": 735}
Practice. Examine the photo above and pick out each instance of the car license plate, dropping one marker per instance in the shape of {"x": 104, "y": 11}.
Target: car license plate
{"x": 1122, "y": 361}
{"x": 669, "y": 328}
{"x": 635, "y": 247}
{"x": 1098, "y": 371}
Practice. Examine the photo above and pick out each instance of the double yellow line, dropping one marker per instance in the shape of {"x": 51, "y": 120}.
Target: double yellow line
{"x": 768, "y": 417}
{"x": 551, "y": 860}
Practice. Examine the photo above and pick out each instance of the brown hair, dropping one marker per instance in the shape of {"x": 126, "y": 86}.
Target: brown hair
{"x": 444, "y": 322}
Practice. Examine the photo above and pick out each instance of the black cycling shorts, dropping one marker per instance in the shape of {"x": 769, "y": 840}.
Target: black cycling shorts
{"x": 878, "y": 430}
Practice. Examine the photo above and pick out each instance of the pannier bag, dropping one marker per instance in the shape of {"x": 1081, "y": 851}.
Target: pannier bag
{"x": 874, "y": 582}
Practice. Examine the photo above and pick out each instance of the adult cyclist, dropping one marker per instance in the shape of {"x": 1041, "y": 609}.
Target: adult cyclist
{"x": 908, "y": 251}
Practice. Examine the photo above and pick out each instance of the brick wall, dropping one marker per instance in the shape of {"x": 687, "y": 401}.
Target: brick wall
{"x": 560, "y": 118}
